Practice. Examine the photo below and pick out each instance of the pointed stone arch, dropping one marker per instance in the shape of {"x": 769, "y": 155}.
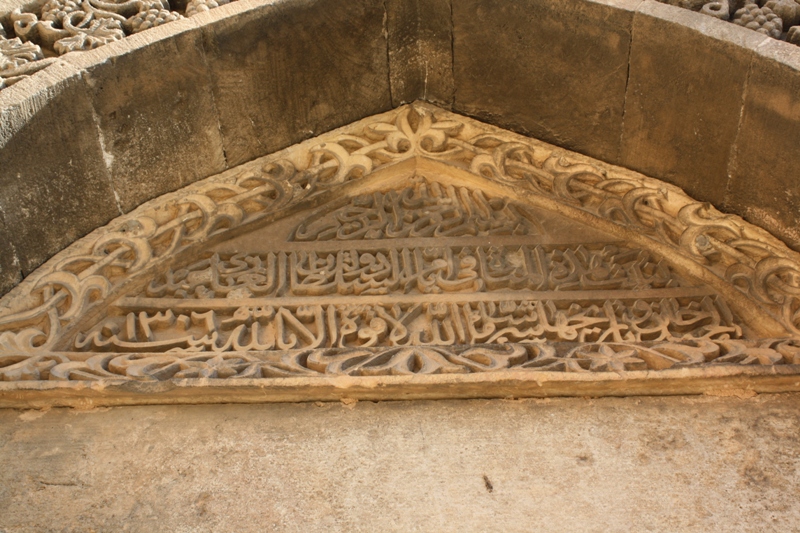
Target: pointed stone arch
{"x": 412, "y": 254}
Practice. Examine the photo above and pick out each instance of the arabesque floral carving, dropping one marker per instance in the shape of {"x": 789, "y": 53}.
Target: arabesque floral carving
{"x": 587, "y": 358}
{"x": 420, "y": 277}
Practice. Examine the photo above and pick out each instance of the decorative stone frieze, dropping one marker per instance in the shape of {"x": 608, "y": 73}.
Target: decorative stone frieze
{"x": 18, "y": 59}
{"x": 779, "y": 19}
{"x": 57, "y": 27}
{"x": 597, "y": 357}
{"x": 412, "y": 243}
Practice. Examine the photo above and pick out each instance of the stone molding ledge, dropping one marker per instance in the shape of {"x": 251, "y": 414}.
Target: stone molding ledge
{"x": 721, "y": 381}
{"x": 70, "y": 380}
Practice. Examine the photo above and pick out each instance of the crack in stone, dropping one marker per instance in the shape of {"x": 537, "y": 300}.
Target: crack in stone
{"x": 385, "y": 32}
{"x": 213, "y": 95}
{"x": 627, "y": 87}
{"x": 733, "y": 152}
{"x": 108, "y": 157}
{"x": 452, "y": 55}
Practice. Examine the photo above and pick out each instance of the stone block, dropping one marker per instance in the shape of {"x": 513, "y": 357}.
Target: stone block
{"x": 287, "y": 71}
{"x": 54, "y": 185}
{"x": 420, "y": 51}
{"x": 553, "y": 69}
{"x": 160, "y": 128}
{"x": 687, "y": 76}
{"x": 10, "y": 273}
{"x": 765, "y": 167}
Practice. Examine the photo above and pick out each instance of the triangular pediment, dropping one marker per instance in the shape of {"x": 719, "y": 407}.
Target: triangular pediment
{"x": 412, "y": 243}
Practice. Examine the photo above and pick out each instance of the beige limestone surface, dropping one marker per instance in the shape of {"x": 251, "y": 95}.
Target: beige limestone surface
{"x": 369, "y": 263}
{"x": 364, "y": 262}
{"x": 700, "y": 103}
{"x": 712, "y": 463}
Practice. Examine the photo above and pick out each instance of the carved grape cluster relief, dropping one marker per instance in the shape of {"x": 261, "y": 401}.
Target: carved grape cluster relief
{"x": 57, "y": 27}
{"x": 415, "y": 242}
{"x": 779, "y": 19}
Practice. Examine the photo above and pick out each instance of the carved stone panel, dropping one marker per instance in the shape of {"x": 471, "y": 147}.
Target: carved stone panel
{"x": 412, "y": 244}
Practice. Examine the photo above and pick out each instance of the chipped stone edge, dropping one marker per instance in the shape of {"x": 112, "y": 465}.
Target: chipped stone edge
{"x": 506, "y": 384}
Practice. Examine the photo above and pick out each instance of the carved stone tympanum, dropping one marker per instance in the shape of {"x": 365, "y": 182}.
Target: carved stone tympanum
{"x": 413, "y": 254}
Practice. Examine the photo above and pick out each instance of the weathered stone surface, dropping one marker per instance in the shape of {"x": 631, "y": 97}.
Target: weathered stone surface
{"x": 552, "y": 69}
{"x": 420, "y": 51}
{"x": 766, "y": 160}
{"x": 54, "y": 186}
{"x": 159, "y": 125}
{"x": 416, "y": 244}
{"x": 612, "y": 465}
{"x": 114, "y": 20}
{"x": 687, "y": 77}
{"x": 287, "y": 71}
{"x": 10, "y": 273}
{"x": 273, "y": 119}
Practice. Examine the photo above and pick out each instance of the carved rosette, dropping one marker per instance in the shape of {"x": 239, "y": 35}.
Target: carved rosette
{"x": 494, "y": 254}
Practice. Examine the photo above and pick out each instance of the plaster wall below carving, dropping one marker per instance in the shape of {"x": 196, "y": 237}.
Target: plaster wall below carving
{"x": 665, "y": 464}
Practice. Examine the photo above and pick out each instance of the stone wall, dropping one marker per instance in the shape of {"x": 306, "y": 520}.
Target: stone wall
{"x": 692, "y": 100}
{"x": 605, "y": 465}
{"x": 695, "y": 101}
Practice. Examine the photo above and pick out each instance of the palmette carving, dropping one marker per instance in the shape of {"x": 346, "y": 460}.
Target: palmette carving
{"x": 68, "y": 26}
{"x": 246, "y": 198}
{"x": 540, "y": 357}
{"x": 14, "y": 54}
{"x": 18, "y": 60}
{"x": 134, "y": 243}
{"x": 88, "y": 34}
